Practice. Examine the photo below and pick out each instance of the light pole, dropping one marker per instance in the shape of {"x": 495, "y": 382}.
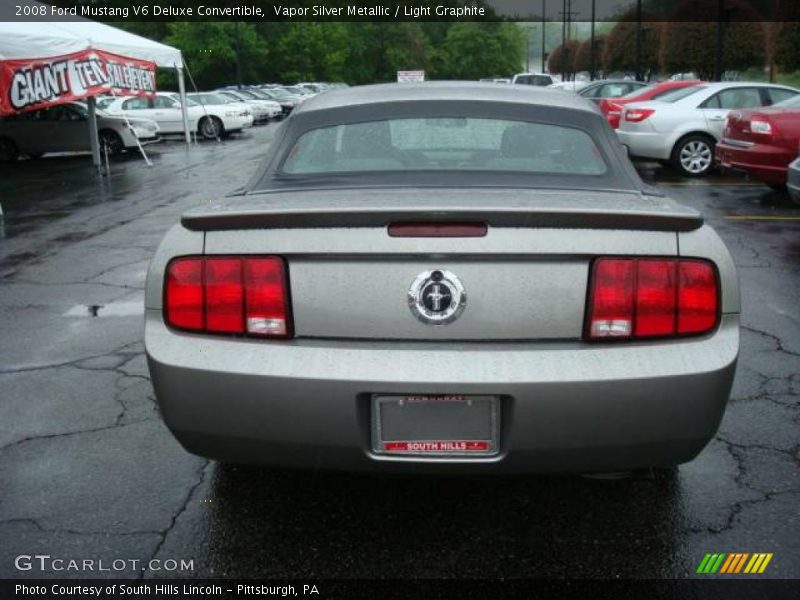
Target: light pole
{"x": 720, "y": 33}
{"x": 638, "y": 40}
{"x": 544, "y": 25}
{"x": 591, "y": 46}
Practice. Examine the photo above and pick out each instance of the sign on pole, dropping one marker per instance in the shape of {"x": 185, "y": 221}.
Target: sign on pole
{"x": 410, "y": 76}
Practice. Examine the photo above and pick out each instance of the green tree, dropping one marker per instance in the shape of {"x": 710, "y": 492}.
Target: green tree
{"x": 308, "y": 51}
{"x": 786, "y": 35}
{"x": 473, "y": 50}
{"x": 691, "y": 46}
{"x": 619, "y": 51}
{"x": 217, "y": 53}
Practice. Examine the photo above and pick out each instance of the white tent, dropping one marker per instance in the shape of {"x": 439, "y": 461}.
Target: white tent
{"x": 27, "y": 40}
{"x": 41, "y": 39}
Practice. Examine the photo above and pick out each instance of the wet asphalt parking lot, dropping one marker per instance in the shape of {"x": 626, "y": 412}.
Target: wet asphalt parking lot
{"x": 88, "y": 471}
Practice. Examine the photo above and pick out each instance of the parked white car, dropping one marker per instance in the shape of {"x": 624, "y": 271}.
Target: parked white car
{"x": 220, "y": 114}
{"x": 216, "y": 120}
{"x": 263, "y": 108}
{"x": 684, "y": 126}
{"x": 165, "y": 108}
{"x": 537, "y": 79}
{"x": 65, "y": 128}
{"x": 232, "y": 109}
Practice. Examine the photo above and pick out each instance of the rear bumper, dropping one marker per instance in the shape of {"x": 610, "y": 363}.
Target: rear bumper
{"x": 761, "y": 162}
{"x": 565, "y": 406}
{"x": 646, "y": 144}
{"x": 793, "y": 180}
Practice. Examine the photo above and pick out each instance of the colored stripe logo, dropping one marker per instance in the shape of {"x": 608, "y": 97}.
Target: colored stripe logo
{"x": 734, "y": 563}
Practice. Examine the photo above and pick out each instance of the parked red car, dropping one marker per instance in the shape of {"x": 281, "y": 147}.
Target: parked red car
{"x": 612, "y": 107}
{"x": 762, "y": 141}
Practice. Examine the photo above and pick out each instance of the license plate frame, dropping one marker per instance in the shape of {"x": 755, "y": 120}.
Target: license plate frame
{"x": 446, "y": 425}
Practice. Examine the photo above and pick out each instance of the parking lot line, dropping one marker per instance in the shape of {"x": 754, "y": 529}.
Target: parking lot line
{"x": 701, "y": 184}
{"x": 762, "y": 218}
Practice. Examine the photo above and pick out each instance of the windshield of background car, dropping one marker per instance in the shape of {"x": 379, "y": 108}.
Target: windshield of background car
{"x": 680, "y": 93}
{"x": 445, "y": 144}
{"x": 210, "y": 99}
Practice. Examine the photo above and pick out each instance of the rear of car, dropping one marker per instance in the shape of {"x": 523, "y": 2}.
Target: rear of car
{"x": 761, "y": 143}
{"x": 537, "y": 79}
{"x": 612, "y": 107}
{"x": 439, "y": 290}
{"x": 685, "y": 125}
{"x": 793, "y": 180}
{"x": 650, "y": 129}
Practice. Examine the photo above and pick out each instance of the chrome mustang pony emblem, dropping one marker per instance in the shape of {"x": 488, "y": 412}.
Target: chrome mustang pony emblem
{"x": 437, "y": 297}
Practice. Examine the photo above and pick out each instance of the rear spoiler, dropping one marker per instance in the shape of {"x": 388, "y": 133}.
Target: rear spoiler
{"x": 534, "y": 217}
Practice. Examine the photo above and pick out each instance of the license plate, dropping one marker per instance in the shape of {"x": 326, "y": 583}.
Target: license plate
{"x": 435, "y": 425}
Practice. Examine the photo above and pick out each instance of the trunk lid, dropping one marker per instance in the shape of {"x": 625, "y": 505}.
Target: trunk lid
{"x": 785, "y": 125}
{"x": 526, "y": 279}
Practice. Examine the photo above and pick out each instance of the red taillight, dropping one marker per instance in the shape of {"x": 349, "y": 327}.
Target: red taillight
{"x": 223, "y": 295}
{"x": 266, "y": 297}
{"x": 639, "y": 298}
{"x": 228, "y": 294}
{"x": 637, "y": 115}
{"x": 184, "y": 294}
{"x": 697, "y": 297}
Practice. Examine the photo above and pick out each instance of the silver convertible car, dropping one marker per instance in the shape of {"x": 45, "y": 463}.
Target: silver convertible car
{"x": 444, "y": 277}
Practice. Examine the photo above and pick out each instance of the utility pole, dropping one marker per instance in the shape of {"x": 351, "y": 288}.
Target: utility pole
{"x": 569, "y": 19}
{"x": 639, "y": 40}
{"x": 591, "y": 47}
{"x": 237, "y": 48}
{"x": 566, "y": 18}
{"x": 720, "y": 34}
{"x": 527, "y": 49}
{"x": 544, "y": 41}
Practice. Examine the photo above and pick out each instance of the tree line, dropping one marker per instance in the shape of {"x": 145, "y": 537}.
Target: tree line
{"x": 683, "y": 45}
{"x": 225, "y": 53}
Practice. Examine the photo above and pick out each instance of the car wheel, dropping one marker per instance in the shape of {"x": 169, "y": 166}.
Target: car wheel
{"x": 211, "y": 128}
{"x": 694, "y": 155}
{"x": 8, "y": 150}
{"x": 111, "y": 142}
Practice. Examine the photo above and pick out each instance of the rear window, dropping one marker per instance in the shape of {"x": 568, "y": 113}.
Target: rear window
{"x": 540, "y": 80}
{"x": 445, "y": 144}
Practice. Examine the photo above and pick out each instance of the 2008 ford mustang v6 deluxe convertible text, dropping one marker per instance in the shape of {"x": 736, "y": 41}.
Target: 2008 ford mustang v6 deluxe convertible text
{"x": 444, "y": 277}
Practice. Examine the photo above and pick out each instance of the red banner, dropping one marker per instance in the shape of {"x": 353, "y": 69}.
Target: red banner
{"x": 41, "y": 82}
